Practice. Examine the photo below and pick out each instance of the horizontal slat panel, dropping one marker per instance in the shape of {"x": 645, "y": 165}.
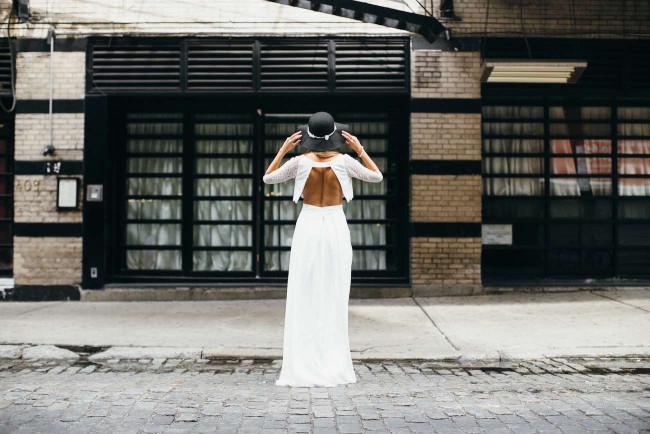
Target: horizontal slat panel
{"x": 5, "y": 68}
{"x": 220, "y": 66}
{"x": 370, "y": 64}
{"x": 137, "y": 66}
{"x": 293, "y": 65}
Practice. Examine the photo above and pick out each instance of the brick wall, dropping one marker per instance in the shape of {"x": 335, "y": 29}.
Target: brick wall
{"x": 51, "y": 259}
{"x": 551, "y": 18}
{"x": 446, "y": 264}
{"x": 445, "y": 136}
{"x": 451, "y": 264}
{"x": 445, "y": 198}
{"x": 47, "y": 261}
{"x": 33, "y": 82}
{"x": 443, "y": 74}
{"x": 35, "y": 201}
{"x": 32, "y": 133}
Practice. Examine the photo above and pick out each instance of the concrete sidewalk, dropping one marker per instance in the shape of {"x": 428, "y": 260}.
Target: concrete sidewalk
{"x": 473, "y": 328}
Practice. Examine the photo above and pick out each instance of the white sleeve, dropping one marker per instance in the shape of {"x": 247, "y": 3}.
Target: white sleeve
{"x": 285, "y": 172}
{"x": 357, "y": 170}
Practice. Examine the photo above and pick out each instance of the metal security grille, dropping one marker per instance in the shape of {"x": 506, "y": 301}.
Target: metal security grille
{"x": 5, "y": 68}
{"x": 572, "y": 180}
{"x": 247, "y": 65}
{"x": 192, "y": 204}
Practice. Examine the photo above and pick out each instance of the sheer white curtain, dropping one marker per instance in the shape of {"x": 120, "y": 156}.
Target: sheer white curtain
{"x": 369, "y": 234}
{"x": 518, "y": 121}
{"x": 160, "y": 233}
{"x": 223, "y": 234}
{"x": 227, "y": 222}
{"x": 364, "y": 234}
{"x": 634, "y": 122}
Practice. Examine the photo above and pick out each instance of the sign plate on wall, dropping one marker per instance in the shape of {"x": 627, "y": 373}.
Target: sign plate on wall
{"x": 52, "y": 167}
{"x": 496, "y": 234}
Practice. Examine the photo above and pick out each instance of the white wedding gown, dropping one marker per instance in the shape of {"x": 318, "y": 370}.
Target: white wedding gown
{"x": 316, "y": 349}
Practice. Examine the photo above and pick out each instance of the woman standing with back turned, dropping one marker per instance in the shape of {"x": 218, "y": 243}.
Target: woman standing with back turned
{"x": 316, "y": 349}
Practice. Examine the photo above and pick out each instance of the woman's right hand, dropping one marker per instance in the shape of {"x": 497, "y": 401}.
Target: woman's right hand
{"x": 352, "y": 141}
{"x": 292, "y": 141}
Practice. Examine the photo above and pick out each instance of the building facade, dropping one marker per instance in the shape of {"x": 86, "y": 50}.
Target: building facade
{"x": 168, "y": 116}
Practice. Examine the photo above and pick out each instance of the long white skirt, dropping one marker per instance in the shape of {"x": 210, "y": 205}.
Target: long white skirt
{"x": 316, "y": 350}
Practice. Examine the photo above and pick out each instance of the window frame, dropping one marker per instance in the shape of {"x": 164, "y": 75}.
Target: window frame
{"x": 396, "y": 172}
{"x": 542, "y": 273}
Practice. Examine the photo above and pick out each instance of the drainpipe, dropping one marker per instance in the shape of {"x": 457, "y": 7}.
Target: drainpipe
{"x": 49, "y": 148}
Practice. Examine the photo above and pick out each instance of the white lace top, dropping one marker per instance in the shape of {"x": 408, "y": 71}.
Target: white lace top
{"x": 344, "y": 166}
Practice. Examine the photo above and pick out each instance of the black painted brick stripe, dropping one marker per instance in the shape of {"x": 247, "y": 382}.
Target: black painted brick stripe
{"x": 445, "y": 167}
{"x": 43, "y": 106}
{"x": 448, "y": 230}
{"x": 42, "y": 45}
{"x": 48, "y": 229}
{"x": 446, "y": 105}
{"x": 41, "y": 293}
{"x": 68, "y": 167}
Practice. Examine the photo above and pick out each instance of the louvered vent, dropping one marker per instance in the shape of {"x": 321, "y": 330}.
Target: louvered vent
{"x": 137, "y": 66}
{"x": 220, "y": 66}
{"x": 293, "y": 65}
{"x": 236, "y": 64}
{"x": 370, "y": 64}
{"x": 5, "y": 69}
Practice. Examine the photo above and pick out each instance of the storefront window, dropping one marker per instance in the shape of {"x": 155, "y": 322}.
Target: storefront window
{"x": 195, "y": 205}
{"x": 573, "y": 180}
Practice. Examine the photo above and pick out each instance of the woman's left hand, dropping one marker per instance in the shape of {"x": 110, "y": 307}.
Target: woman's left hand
{"x": 292, "y": 141}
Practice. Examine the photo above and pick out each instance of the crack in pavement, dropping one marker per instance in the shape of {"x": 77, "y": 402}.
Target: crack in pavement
{"x": 435, "y": 325}
{"x": 620, "y": 301}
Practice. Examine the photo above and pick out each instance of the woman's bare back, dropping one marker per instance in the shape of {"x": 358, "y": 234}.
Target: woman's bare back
{"x": 322, "y": 187}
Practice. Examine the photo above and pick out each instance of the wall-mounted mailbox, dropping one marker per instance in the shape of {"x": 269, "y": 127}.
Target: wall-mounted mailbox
{"x": 67, "y": 191}
{"x": 94, "y": 193}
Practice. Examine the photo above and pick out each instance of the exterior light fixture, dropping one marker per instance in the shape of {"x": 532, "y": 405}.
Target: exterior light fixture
{"x": 532, "y": 71}
{"x": 21, "y": 8}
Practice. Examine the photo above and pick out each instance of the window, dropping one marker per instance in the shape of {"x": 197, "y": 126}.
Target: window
{"x": 573, "y": 180}
{"x": 194, "y": 204}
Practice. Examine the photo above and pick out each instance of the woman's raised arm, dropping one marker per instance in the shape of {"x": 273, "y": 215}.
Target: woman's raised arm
{"x": 370, "y": 172}
{"x": 274, "y": 174}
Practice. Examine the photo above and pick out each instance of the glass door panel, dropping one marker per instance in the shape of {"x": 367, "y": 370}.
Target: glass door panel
{"x": 222, "y": 232}
{"x": 154, "y": 177}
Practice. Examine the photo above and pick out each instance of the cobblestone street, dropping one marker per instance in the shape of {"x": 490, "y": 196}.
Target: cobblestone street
{"x": 204, "y": 395}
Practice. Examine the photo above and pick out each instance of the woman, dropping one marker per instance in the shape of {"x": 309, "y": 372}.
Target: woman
{"x": 316, "y": 348}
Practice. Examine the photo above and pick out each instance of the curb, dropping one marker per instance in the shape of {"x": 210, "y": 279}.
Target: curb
{"x": 101, "y": 354}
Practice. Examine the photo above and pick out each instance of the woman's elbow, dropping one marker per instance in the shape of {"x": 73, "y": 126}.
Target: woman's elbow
{"x": 379, "y": 177}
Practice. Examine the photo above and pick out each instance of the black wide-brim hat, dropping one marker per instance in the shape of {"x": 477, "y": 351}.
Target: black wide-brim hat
{"x": 326, "y": 132}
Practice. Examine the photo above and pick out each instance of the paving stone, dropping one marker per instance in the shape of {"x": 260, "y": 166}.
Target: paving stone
{"x": 399, "y": 396}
